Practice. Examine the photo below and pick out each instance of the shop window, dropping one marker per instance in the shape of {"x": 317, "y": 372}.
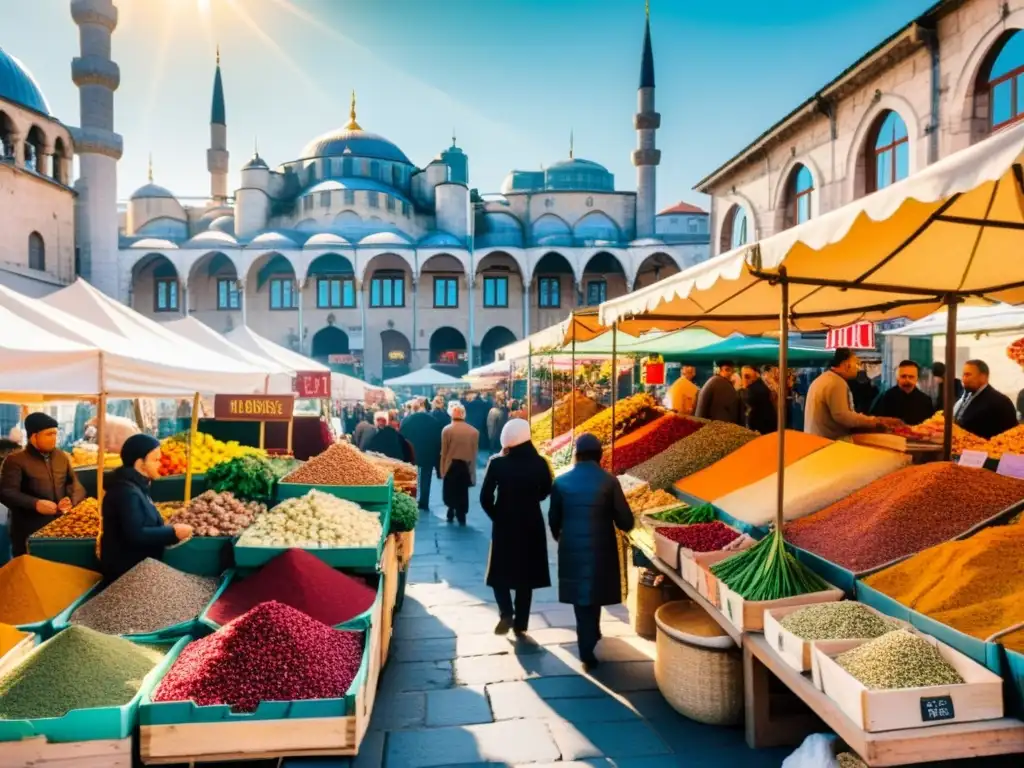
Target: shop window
{"x": 549, "y": 293}
{"x": 335, "y": 293}
{"x": 227, "y": 294}
{"x": 446, "y": 292}
{"x": 283, "y": 293}
{"x": 495, "y": 291}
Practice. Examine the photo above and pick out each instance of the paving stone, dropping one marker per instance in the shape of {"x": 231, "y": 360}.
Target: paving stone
{"x": 554, "y": 635}
{"x": 568, "y": 687}
{"x": 403, "y": 710}
{"x": 408, "y": 676}
{"x": 458, "y": 706}
{"x": 628, "y": 739}
{"x": 483, "y": 645}
{"x": 482, "y": 670}
{"x": 511, "y": 742}
{"x": 421, "y": 628}
{"x": 652, "y": 706}
{"x": 371, "y": 751}
{"x": 511, "y": 703}
{"x": 613, "y": 649}
{"x": 627, "y": 676}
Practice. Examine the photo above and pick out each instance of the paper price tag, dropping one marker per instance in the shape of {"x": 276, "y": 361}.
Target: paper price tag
{"x": 975, "y": 459}
{"x": 1012, "y": 465}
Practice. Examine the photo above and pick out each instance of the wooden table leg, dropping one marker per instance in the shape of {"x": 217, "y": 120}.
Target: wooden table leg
{"x": 756, "y": 700}
{"x": 774, "y": 716}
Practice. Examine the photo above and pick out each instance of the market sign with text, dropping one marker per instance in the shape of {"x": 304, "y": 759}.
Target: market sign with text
{"x": 313, "y": 384}
{"x": 253, "y": 407}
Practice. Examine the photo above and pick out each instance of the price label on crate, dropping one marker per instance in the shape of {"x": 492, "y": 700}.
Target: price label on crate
{"x": 782, "y": 642}
{"x": 1011, "y": 465}
{"x": 937, "y": 708}
{"x": 974, "y": 459}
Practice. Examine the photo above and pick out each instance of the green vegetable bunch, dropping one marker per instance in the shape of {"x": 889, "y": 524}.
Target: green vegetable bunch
{"x": 768, "y": 571}
{"x": 404, "y": 513}
{"x": 684, "y": 515}
{"x": 248, "y": 477}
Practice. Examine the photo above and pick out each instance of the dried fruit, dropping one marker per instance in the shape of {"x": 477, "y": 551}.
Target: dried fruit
{"x": 80, "y": 522}
{"x": 845, "y": 620}
{"x": 340, "y": 464}
{"x": 898, "y": 659}
{"x": 701, "y": 537}
{"x": 586, "y": 408}
{"x": 33, "y": 589}
{"x": 630, "y": 413}
{"x": 644, "y": 499}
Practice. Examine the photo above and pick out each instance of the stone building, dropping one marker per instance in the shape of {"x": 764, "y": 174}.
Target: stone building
{"x": 944, "y": 81}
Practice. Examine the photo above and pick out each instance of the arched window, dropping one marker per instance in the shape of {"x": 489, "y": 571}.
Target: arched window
{"x": 799, "y": 192}
{"x": 36, "y": 252}
{"x": 57, "y": 169}
{"x": 1006, "y": 83}
{"x": 739, "y": 235}
{"x": 890, "y": 151}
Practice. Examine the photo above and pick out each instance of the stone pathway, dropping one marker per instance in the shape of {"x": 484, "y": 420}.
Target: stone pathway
{"x": 455, "y": 694}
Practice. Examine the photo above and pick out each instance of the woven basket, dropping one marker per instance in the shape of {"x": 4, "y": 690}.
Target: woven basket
{"x": 643, "y": 607}
{"x": 698, "y": 667}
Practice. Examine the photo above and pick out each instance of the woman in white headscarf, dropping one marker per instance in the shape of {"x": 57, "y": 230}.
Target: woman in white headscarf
{"x": 517, "y": 481}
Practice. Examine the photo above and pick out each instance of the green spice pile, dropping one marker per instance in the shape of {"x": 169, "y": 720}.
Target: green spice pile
{"x": 404, "y": 513}
{"x": 150, "y": 597}
{"x": 845, "y": 620}
{"x": 714, "y": 441}
{"x": 76, "y": 669}
{"x": 768, "y": 571}
{"x": 898, "y": 659}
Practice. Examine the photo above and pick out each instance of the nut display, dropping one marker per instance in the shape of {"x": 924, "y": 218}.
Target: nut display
{"x": 643, "y": 499}
{"x": 80, "y": 522}
{"x": 218, "y": 514}
{"x": 403, "y": 472}
{"x": 898, "y": 659}
{"x": 316, "y": 520}
{"x": 845, "y": 620}
{"x": 340, "y": 464}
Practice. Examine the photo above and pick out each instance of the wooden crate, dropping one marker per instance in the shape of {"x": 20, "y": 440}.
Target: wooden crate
{"x": 980, "y": 697}
{"x": 406, "y": 545}
{"x": 389, "y": 572}
{"x": 748, "y": 615}
{"x": 251, "y": 740}
{"x": 40, "y": 753}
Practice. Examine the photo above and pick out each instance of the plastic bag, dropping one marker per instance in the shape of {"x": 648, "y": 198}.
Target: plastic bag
{"x": 815, "y": 752}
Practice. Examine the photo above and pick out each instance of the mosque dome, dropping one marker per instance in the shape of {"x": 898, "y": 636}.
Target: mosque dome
{"x": 255, "y": 162}
{"x": 151, "y": 190}
{"x": 578, "y": 174}
{"x": 17, "y": 85}
{"x": 225, "y": 224}
{"x": 352, "y": 141}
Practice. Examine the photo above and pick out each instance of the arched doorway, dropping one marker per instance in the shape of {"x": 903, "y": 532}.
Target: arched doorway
{"x": 395, "y": 353}
{"x": 328, "y": 341}
{"x": 603, "y": 279}
{"x": 496, "y": 338}
{"x": 448, "y": 351}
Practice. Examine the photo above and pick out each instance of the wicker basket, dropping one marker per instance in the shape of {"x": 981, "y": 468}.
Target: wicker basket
{"x": 698, "y": 667}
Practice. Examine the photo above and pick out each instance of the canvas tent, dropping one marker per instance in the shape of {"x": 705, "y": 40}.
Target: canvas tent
{"x": 426, "y": 377}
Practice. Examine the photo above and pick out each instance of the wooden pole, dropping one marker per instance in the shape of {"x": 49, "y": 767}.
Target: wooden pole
{"x": 781, "y": 406}
{"x": 193, "y": 428}
{"x": 949, "y": 380}
{"x": 553, "y": 398}
{"x": 615, "y": 385}
{"x": 572, "y": 391}
{"x": 529, "y": 381}
{"x": 101, "y": 454}
{"x": 291, "y": 429}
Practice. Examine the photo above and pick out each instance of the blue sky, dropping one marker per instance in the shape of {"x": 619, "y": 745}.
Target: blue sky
{"x": 512, "y": 77}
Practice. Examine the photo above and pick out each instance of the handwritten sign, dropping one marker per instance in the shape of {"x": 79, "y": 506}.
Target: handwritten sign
{"x": 974, "y": 459}
{"x": 1011, "y": 465}
{"x": 253, "y": 407}
{"x": 313, "y": 384}
{"x": 936, "y": 708}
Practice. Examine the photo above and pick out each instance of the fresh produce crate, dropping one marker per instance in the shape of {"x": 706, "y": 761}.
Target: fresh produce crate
{"x": 696, "y": 570}
{"x": 45, "y": 628}
{"x": 748, "y": 615}
{"x": 980, "y": 697}
{"x": 38, "y": 752}
{"x": 10, "y": 659}
{"x": 94, "y": 724}
{"x": 376, "y": 494}
{"x": 80, "y": 552}
{"x": 202, "y": 555}
{"x": 183, "y": 732}
{"x": 794, "y": 650}
{"x": 666, "y": 550}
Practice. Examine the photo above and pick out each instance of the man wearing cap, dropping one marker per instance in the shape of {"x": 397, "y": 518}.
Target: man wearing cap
{"x": 38, "y": 483}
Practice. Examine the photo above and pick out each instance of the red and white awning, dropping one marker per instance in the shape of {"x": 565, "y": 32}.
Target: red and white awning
{"x": 856, "y": 336}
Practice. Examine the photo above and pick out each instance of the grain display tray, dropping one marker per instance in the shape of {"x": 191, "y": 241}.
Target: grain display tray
{"x": 748, "y": 615}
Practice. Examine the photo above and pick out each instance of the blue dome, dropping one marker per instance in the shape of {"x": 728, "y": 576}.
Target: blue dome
{"x": 344, "y": 142}
{"x": 18, "y": 85}
{"x": 578, "y": 174}
{"x": 151, "y": 190}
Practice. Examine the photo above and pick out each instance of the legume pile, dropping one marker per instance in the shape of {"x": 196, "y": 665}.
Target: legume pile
{"x": 316, "y": 520}
{"x": 340, "y": 464}
{"x": 898, "y": 659}
{"x": 975, "y": 586}
{"x": 272, "y": 653}
{"x": 150, "y": 597}
{"x": 713, "y": 442}
{"x": 905, "y": 512}
{"x": 647, "y": 441}
{"x": 302, "y": 581}
{"x": 701, "y": 537}
{"x": 845, "y": 620}
{"x": 10, "y": 637}
{"x": 32, "y": 589}
{"x": 768, "y": 571}
{"x": 77, "y": 668}
{"x": 218, "y": 514}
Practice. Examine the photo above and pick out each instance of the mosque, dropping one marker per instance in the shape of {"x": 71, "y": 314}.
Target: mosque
{"x": 350, "y": 253}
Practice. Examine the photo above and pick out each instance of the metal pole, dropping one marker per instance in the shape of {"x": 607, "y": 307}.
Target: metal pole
{"x": 781, "y": 406}
{"x": 615, "y": 385}
{"x": 949, "y": 380}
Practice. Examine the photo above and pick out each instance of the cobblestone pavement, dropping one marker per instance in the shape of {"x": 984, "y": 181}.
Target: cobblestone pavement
{"x": 453, "y": 693}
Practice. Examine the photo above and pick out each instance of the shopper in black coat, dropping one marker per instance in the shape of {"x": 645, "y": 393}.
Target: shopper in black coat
{"x": 517, "y": 481}
{"x": 587, "y": 505}
{"x": 424, "y": 433}
{"x": 761, "y": 413}
{"x": 132, "y": 527}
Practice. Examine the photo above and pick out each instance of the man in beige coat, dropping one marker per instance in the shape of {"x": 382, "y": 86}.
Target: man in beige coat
{"x": 459, "y": 445}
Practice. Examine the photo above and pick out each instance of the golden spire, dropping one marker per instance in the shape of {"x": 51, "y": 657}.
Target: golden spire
{"x": 352, "y": 124}
{"x": 218, "y": 54}
{"x": 570, "y": 143}
{"x": 150, "y": 167}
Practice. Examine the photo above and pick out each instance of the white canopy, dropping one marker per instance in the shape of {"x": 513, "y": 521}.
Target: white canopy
{"x": 426, "y": 377}
{"x": 202, "y": 334}
{"x": 968, "y": 320}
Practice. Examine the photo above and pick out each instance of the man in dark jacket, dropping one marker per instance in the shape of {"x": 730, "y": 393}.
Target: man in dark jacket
{"x": 939, "y": 375}
{"x": 38, "y": 483}
{"x": 424, "y": 433}
{"x": 983, "y": 410}
{"x": 496, "y": 418}
{"x": 761, "y": 413}
{"x": 388, "y": 441}
{"x": 718, "y": 399}
{"x": 904, "y": 401}
{"x": 440, "y": 412}
{"x": 587, "y": 505}
{"x": 476, "y": 416}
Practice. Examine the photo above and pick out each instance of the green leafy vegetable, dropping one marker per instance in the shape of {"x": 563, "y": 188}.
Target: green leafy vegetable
{"x": 248, "y": 477}
{"x": 404, "y": 513}
{"x": 684, "y": 515}
{"x": 768, "y": 571}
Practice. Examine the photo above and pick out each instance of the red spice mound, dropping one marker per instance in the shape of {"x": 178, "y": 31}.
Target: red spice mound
{"x": 904, "y": 513}
{"x": 647, "y": 441}
{"x": 304, "y": 582}
{"x": 272, "y": 653}
{"x": 701, "y": 537}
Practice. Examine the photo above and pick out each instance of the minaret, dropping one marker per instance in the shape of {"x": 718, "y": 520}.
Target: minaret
{"x": 97, "y": 146}
{"x": 217, "y": 154}
{"x": 646, "y": 122}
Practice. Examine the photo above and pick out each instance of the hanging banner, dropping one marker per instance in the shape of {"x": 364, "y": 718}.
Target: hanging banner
{"x": 313, "y": 384}
{"x": 856, "y": 336}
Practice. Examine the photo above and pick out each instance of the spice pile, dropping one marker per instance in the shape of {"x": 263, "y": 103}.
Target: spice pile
{"x": 405, "y": 474}
{"x": 768, "y": 571}
{"x": 272, "y": 653}
{"x": 975, "y": 586}
{"x": 643, "y": 499}
{"x": 250, "y": 478}
{"x": 82, "y": 521}
{"x": 714, "y": 441}
{"x": 10, "y": 637}
{"x": 850, "y": 760}
{"x": 898, "y": 659}
{"x": 77, "y": 668}
{"x": 316, "y": 520}
{"x": 630, "y": 413}
{"x": 540, "y": 425}
{"x": 218, "y": 514}
{"x": 340, "y": 464}
{"x": 405, "y": 513}
{"x": 749, "y": 463}
{"x": 33, "y": 590}
{"x": 812, "y": 483}
{"x": 207, "y": 451}
{"x": 845, "y": 620}
{"x": 150, "y": 597}
{"x": 903, "y": 513}
{"x": 701, "y": 537}
{"x": 302, "y": 581}
{"x": 649, "y": 440}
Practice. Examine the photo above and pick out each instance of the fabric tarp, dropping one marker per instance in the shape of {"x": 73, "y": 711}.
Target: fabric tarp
{"x": 968, "y": 320}
{"x": 742, "y": 350}
{"x": 426, "y": 377}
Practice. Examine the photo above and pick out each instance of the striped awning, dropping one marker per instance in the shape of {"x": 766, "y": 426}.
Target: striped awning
{"x": 856, "y": 336}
